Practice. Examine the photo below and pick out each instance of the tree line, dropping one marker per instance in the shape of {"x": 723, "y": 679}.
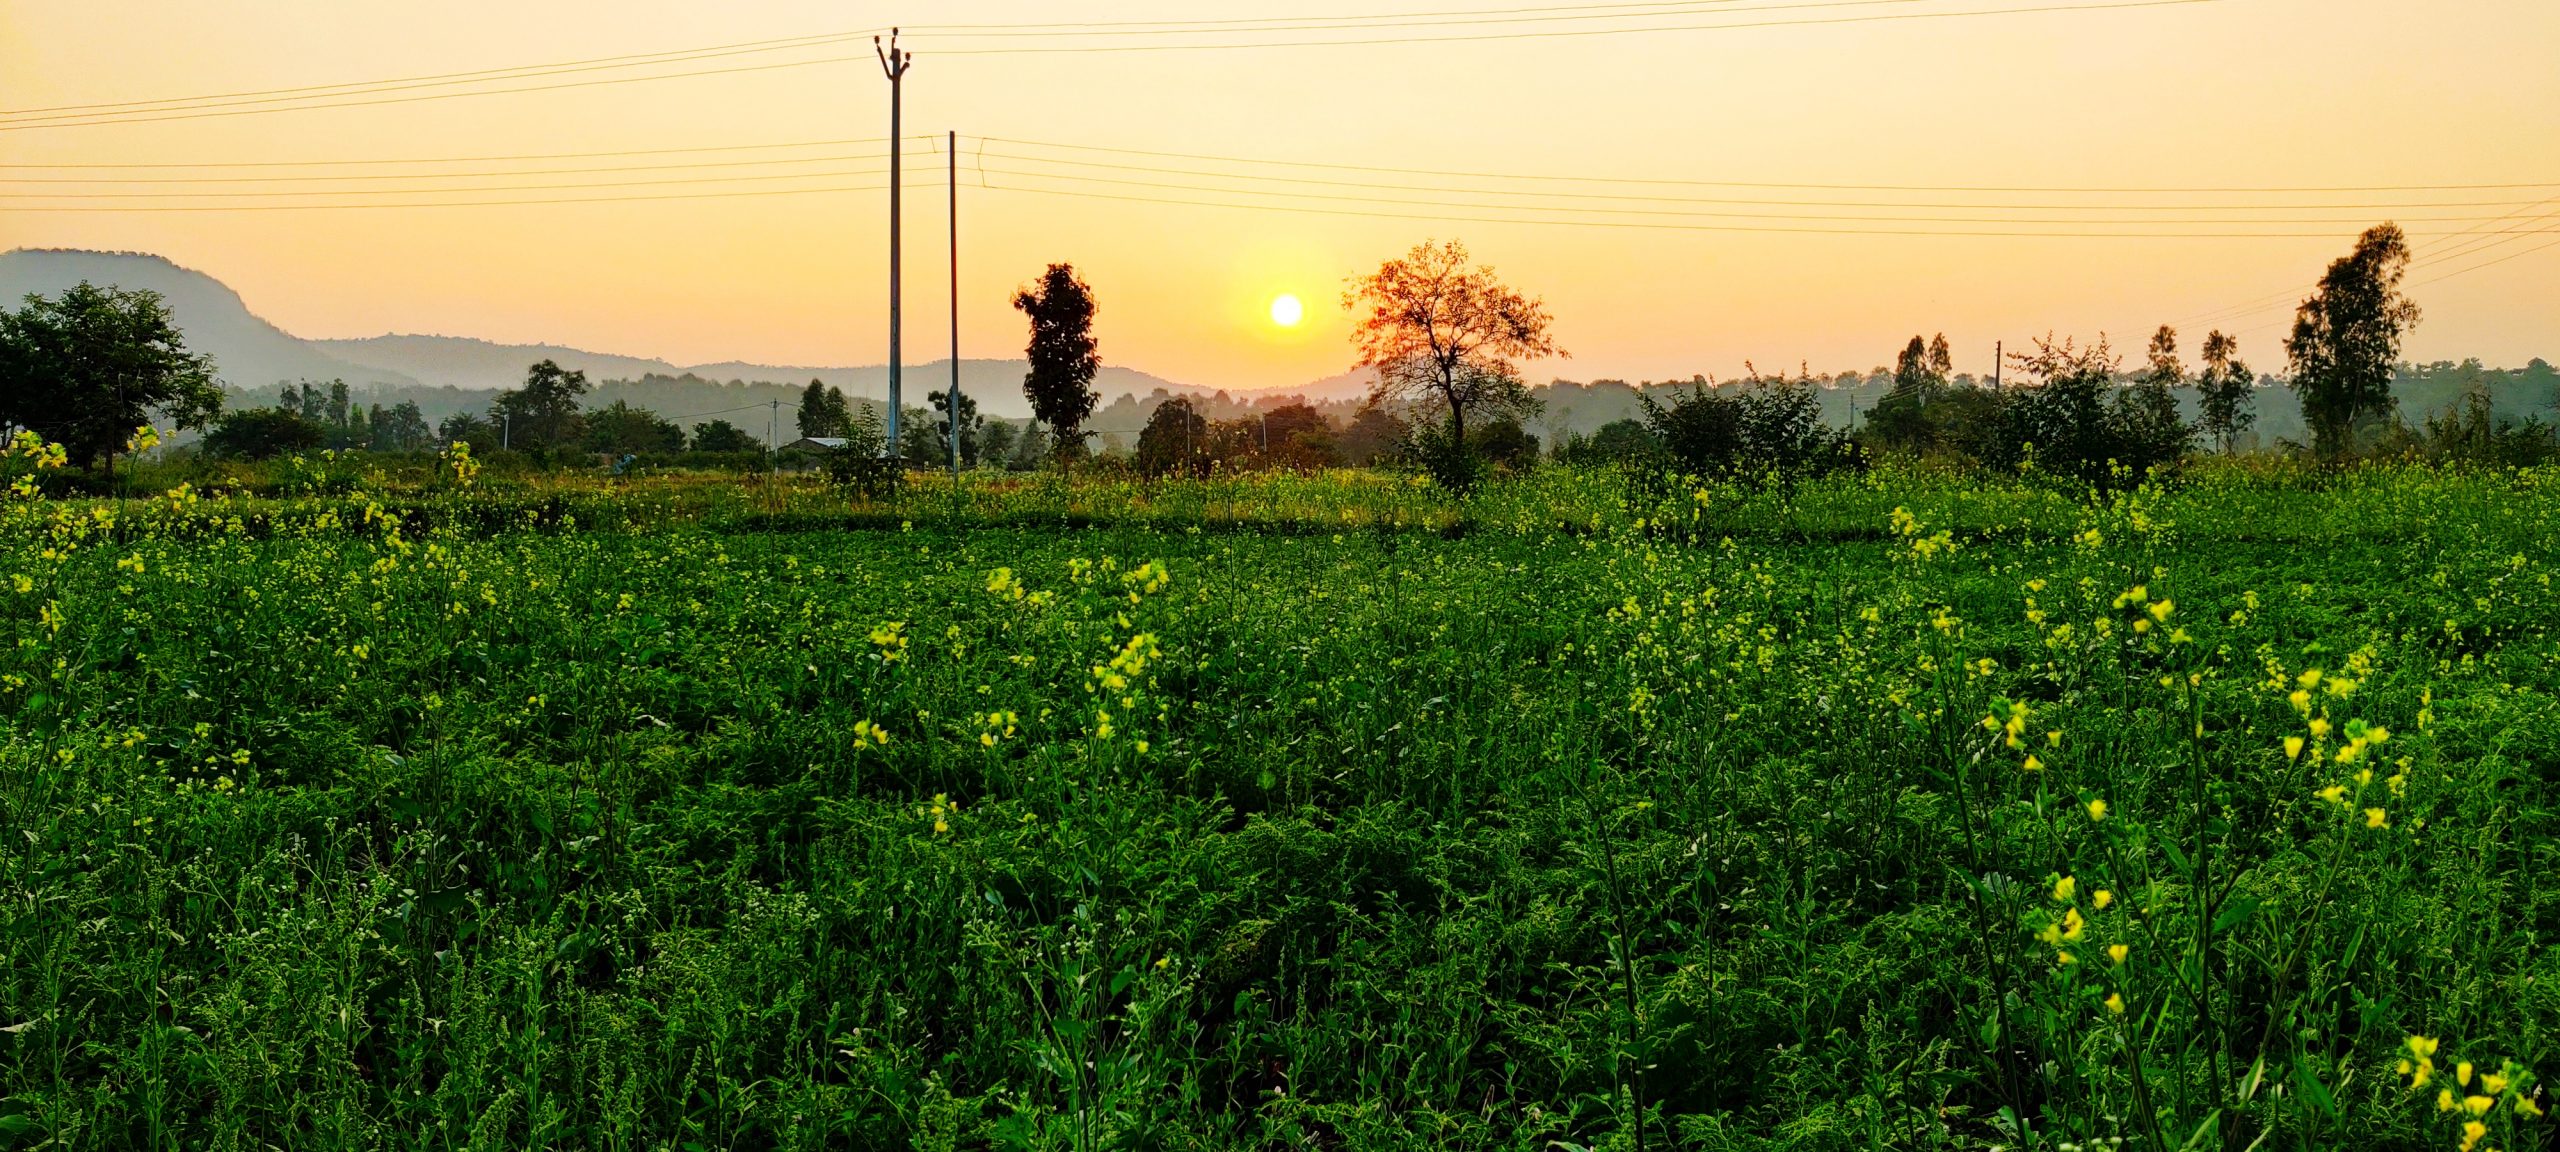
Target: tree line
{"x": 1445, "y": 338}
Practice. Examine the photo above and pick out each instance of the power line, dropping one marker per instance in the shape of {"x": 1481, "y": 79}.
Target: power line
{"x": 193, "y": 164}
{"x": 1569, "y": 33}
{"x": 449, "y": 203}
{"x": 408, "y": 83}
{"x": 1581, "y": 194}
{"x": 1767, "y": 184}
{"x": 1682, "y": 213}
{"x": 1643, "y": 225}
{"x": 336, "y": 95}
{"x": 215, "y": 112}
{"x": 377, "y": 176}
{"x": 434, "y": 191}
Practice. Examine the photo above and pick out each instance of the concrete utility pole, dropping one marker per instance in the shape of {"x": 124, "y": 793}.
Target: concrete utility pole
{"x": 953, "y": 180}
{"x": 893, "y": 63}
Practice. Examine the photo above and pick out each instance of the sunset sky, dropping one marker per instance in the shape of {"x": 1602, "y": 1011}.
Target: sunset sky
{"x": 2332, "y": 100}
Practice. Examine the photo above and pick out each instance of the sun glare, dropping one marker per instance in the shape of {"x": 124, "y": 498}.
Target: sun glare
{"x": 1286, "y": 311}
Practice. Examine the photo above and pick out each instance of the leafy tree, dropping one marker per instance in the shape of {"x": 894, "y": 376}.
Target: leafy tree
{"x": 971, "y": 424}
{"x": 722, "y": 436}
{"x": 2346, "y": 336}
{"x": 2227, "y": 399}
{"x": 824, "y": 411}
{"x": 469, "y": 428}
{"x": 263, "y": 433}
{"x": 919, "y": 442}
{"x": 1375, "y": 435}
{"x": 1903, "y": 417}
{"x": 2147, "y": 412}
{"x": 1063, "y": 356}
{"x": 88, "y": 367}
{"x": 2057, "y": 417}
{"x": 1622, "y": 441}
{"x": 619, "y": 429}
{"x": 544, "y": 413}
{"x": 400, "y": 428}
{"x": 1175, "y": 440}
{"x": 1030, "y": 450}
{"x": 1770, "y": 425}
{"x": 995, "y": 444}
{"x": 1505, "y": 442}
{"x": 1295, "y": 435}
{"x": 1440, "y": 330}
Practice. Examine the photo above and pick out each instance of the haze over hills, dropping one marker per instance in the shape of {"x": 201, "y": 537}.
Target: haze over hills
{"x": 446, "y": 374}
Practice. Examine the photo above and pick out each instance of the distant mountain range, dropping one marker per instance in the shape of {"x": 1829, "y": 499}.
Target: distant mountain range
{"x": 446, "y": 374}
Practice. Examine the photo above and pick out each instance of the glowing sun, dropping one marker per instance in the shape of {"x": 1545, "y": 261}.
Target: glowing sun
{"x": 1286, "y": 311}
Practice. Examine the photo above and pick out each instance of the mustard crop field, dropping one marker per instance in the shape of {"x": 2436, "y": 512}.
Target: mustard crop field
{"x": 1897, "y": 810}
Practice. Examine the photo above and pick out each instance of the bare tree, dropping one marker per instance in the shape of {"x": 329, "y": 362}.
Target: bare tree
{"x": 1436, "y": 328}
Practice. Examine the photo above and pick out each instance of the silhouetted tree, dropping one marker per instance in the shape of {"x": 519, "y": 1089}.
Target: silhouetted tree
{"x": 2346, "y": 336}
{"x": 970, "y": 425}
{"x": 2147, "y": 412}
{"x": 400, "y": 428}
{"x": 469, "y": 428}
{"x": 995, "y": 444}
{"x": 1374, "y": 436}
{"x": 1063, "y": 356}
{"x": 544, "y": 413}
{"x": 824, "y": 411}
{"x": 1436, "y": 328}
{"x": 619, "y": 429}
{"x": 2225, "y": 392}
{"x": 1902, "y": 418}
{"x": 722, "y": 436}
{"x": 1175, "y": 440}
{"x": 89, "y": 367}
{"x": 263, "y": 433}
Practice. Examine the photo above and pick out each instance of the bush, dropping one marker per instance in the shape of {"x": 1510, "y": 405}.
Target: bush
{"x": 262, "y": 434}
{"x": 1768, "y": 426}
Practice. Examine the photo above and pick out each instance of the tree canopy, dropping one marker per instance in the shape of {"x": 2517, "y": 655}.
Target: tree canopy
{"x": 1063, "y": 354}
{"x": 544, "y": 413}
{"x": 90, "y": 367}
{"x": 1439, "y": 329}
{"x": 2346, "y": 337}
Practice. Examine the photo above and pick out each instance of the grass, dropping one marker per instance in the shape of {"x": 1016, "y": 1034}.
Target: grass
{"x": 1278, "y": 811}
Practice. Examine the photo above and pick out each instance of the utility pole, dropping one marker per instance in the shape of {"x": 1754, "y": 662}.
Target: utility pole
{"x": 506, "y": 429}
{"x": 893, "y": 64}
{"x": 1996, "y": 357}
{"x": 953, "y": 181}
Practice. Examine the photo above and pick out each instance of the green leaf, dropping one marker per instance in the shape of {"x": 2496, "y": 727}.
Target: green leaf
{"x": 2236, "y": 913}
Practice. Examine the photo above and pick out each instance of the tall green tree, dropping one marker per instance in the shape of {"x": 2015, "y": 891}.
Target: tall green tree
{"x": 970, "y": 424}
{"x": 824, "y": 411}
{"x": 544, "y": 413}
{"x": 1902, "y": 418}
{"x": 89, "y": 367}
{"x": 2346, "y": 337}
{"x": 1063, "y": 355}
{"x": 2226, "y": 393}
{"x": 2148, "y": 410}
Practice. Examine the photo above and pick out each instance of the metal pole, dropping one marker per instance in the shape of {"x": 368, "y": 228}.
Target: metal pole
{"x": 893, "y": 63}
{"x": 953, "y": 183}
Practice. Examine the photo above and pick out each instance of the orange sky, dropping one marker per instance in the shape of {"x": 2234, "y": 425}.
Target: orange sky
{"x": 2229, "y": 93}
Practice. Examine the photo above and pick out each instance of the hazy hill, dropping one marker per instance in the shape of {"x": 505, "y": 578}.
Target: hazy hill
{"x": 248, "y": 353}
{"x": 446, "y": 374}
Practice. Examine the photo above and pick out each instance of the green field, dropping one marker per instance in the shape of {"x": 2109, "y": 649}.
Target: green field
{"x": 1319, "y": 812}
